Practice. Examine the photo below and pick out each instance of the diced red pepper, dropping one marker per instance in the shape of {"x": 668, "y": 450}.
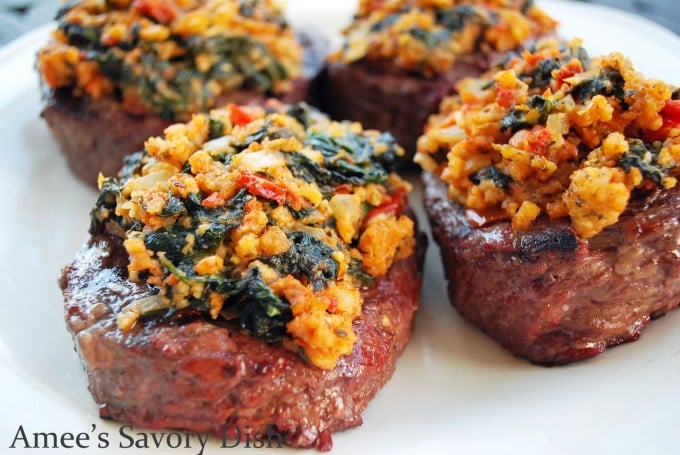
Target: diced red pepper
{"x": 239, "y": 115}
{"x": 572, "y": 68}
{"x": 159, "y": 10}
{"x": 393, "y": 205}
{"x": 333, "y": 306}
{"x": 533, "y": 59}
{"x": 343, "y": 188}
{"x": 505, "y": 97}
{"x": 539, "y": 140}
{"x": 260, "y": 186}
{"x": 671, "y": 119}
{"x": 213, "y": 201}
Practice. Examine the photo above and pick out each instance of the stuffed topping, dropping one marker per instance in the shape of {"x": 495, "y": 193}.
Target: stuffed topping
{"x": 425, "y": 36}
{"x": 273, "y": 218}
{"x": 169, "y": 57}
{"x": 555, "y": 134}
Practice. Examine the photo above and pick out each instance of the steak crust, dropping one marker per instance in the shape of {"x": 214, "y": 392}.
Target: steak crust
{"x": 202, "y": 375}
{"x": 551, "y": 297}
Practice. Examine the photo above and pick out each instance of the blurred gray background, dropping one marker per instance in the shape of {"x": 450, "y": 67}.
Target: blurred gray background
{"x": 20, "y": 16}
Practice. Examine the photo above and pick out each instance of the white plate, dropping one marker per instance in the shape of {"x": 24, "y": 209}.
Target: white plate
{"x": 455, "y": 390}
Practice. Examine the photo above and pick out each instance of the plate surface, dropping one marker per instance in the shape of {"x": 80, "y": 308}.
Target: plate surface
{"x": 455, "y": 390}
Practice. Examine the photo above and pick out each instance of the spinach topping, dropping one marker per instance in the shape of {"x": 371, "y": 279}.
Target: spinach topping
{"x": 258, "y": 310}
{"x": 609, "y": 83}
{"x": 301, "y": 112}
{"x": 105, "y": 206}
{"x": 240, "y": 55}
{"x": 110, "y": 63}
{"x": 430, "y": 39}
{"x": 81, "y": 36}
{"x": 132, "y": 164}
{"x": 500, "y": 179}
{"x": 356, "y": 269}
{"x": 215, "y": 129}
{"x": 588, "y": 89}
{"x": 388, "y": 22}
{"x": 348, "y": 159}
{"x": 543, "y": 72}
{"x": 307, "y": 257}
{"x": 646, "y": 160}
{"x": 171, "y": 87}
{"x": 456, "y": 18}
{"x": 581, "y": 54}
{"x": 525, "y": 116}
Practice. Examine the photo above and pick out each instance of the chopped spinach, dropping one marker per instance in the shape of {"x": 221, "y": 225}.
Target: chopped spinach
{"x": 301, "y": 112}
{"x": 110, "y": 63}
{"x": 257, "y": 136}
{"x": 608, "y": 83}
{"x": 348, "y": 159}
{"x": 588, "y": 88}
{"x": 645, "y": 159}
{"x": 386, "y": 23}
{"x": 306, "y": 257}
{"x": 357, "y": 271}
{"x": 430, "y": 39}
{"x": 456, "y": 18}
{"x": 543, "y": 72}
{"x": 239, "y": 51}
{"x": 260, "y": 312}
{"x": 500, "y": 179}
{"x": 132, "y": 164}
{"x": 581, "y": 54}
{"x": 169, "y": 242}
{"x": 525, "y": 116}
{"x": 105, "y": 206}
{"x": 215, "y": 129}
{"x": 81, "y": 36}
{"x": 229, "y": 215}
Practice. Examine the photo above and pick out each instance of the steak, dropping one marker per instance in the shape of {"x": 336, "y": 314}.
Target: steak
{"x": 202, "y": 374}
{"x": 551, "y": 297}
{"x": 95, "y": 136}
{"x": 380, "y": 96}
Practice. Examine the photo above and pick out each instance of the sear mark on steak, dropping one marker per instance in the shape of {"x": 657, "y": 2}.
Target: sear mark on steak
{"x": 560, "y": 238}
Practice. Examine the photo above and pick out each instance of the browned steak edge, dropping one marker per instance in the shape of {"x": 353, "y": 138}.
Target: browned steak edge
{"x": 550, "y": 297}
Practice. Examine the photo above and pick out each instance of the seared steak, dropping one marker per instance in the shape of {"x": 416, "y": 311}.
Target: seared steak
{"x": 200, "y": 375}
{"x": 551, "y": 297}
{"x": 380, "y": 96}
{"x": 95, "y": 136}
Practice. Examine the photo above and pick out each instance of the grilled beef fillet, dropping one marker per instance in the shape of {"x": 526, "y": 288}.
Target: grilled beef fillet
{"x": 381, "y": 96}
{"x": 551, "y": 297}
{"x": 200, "y": 375}
{"x": 95, "y": 136}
